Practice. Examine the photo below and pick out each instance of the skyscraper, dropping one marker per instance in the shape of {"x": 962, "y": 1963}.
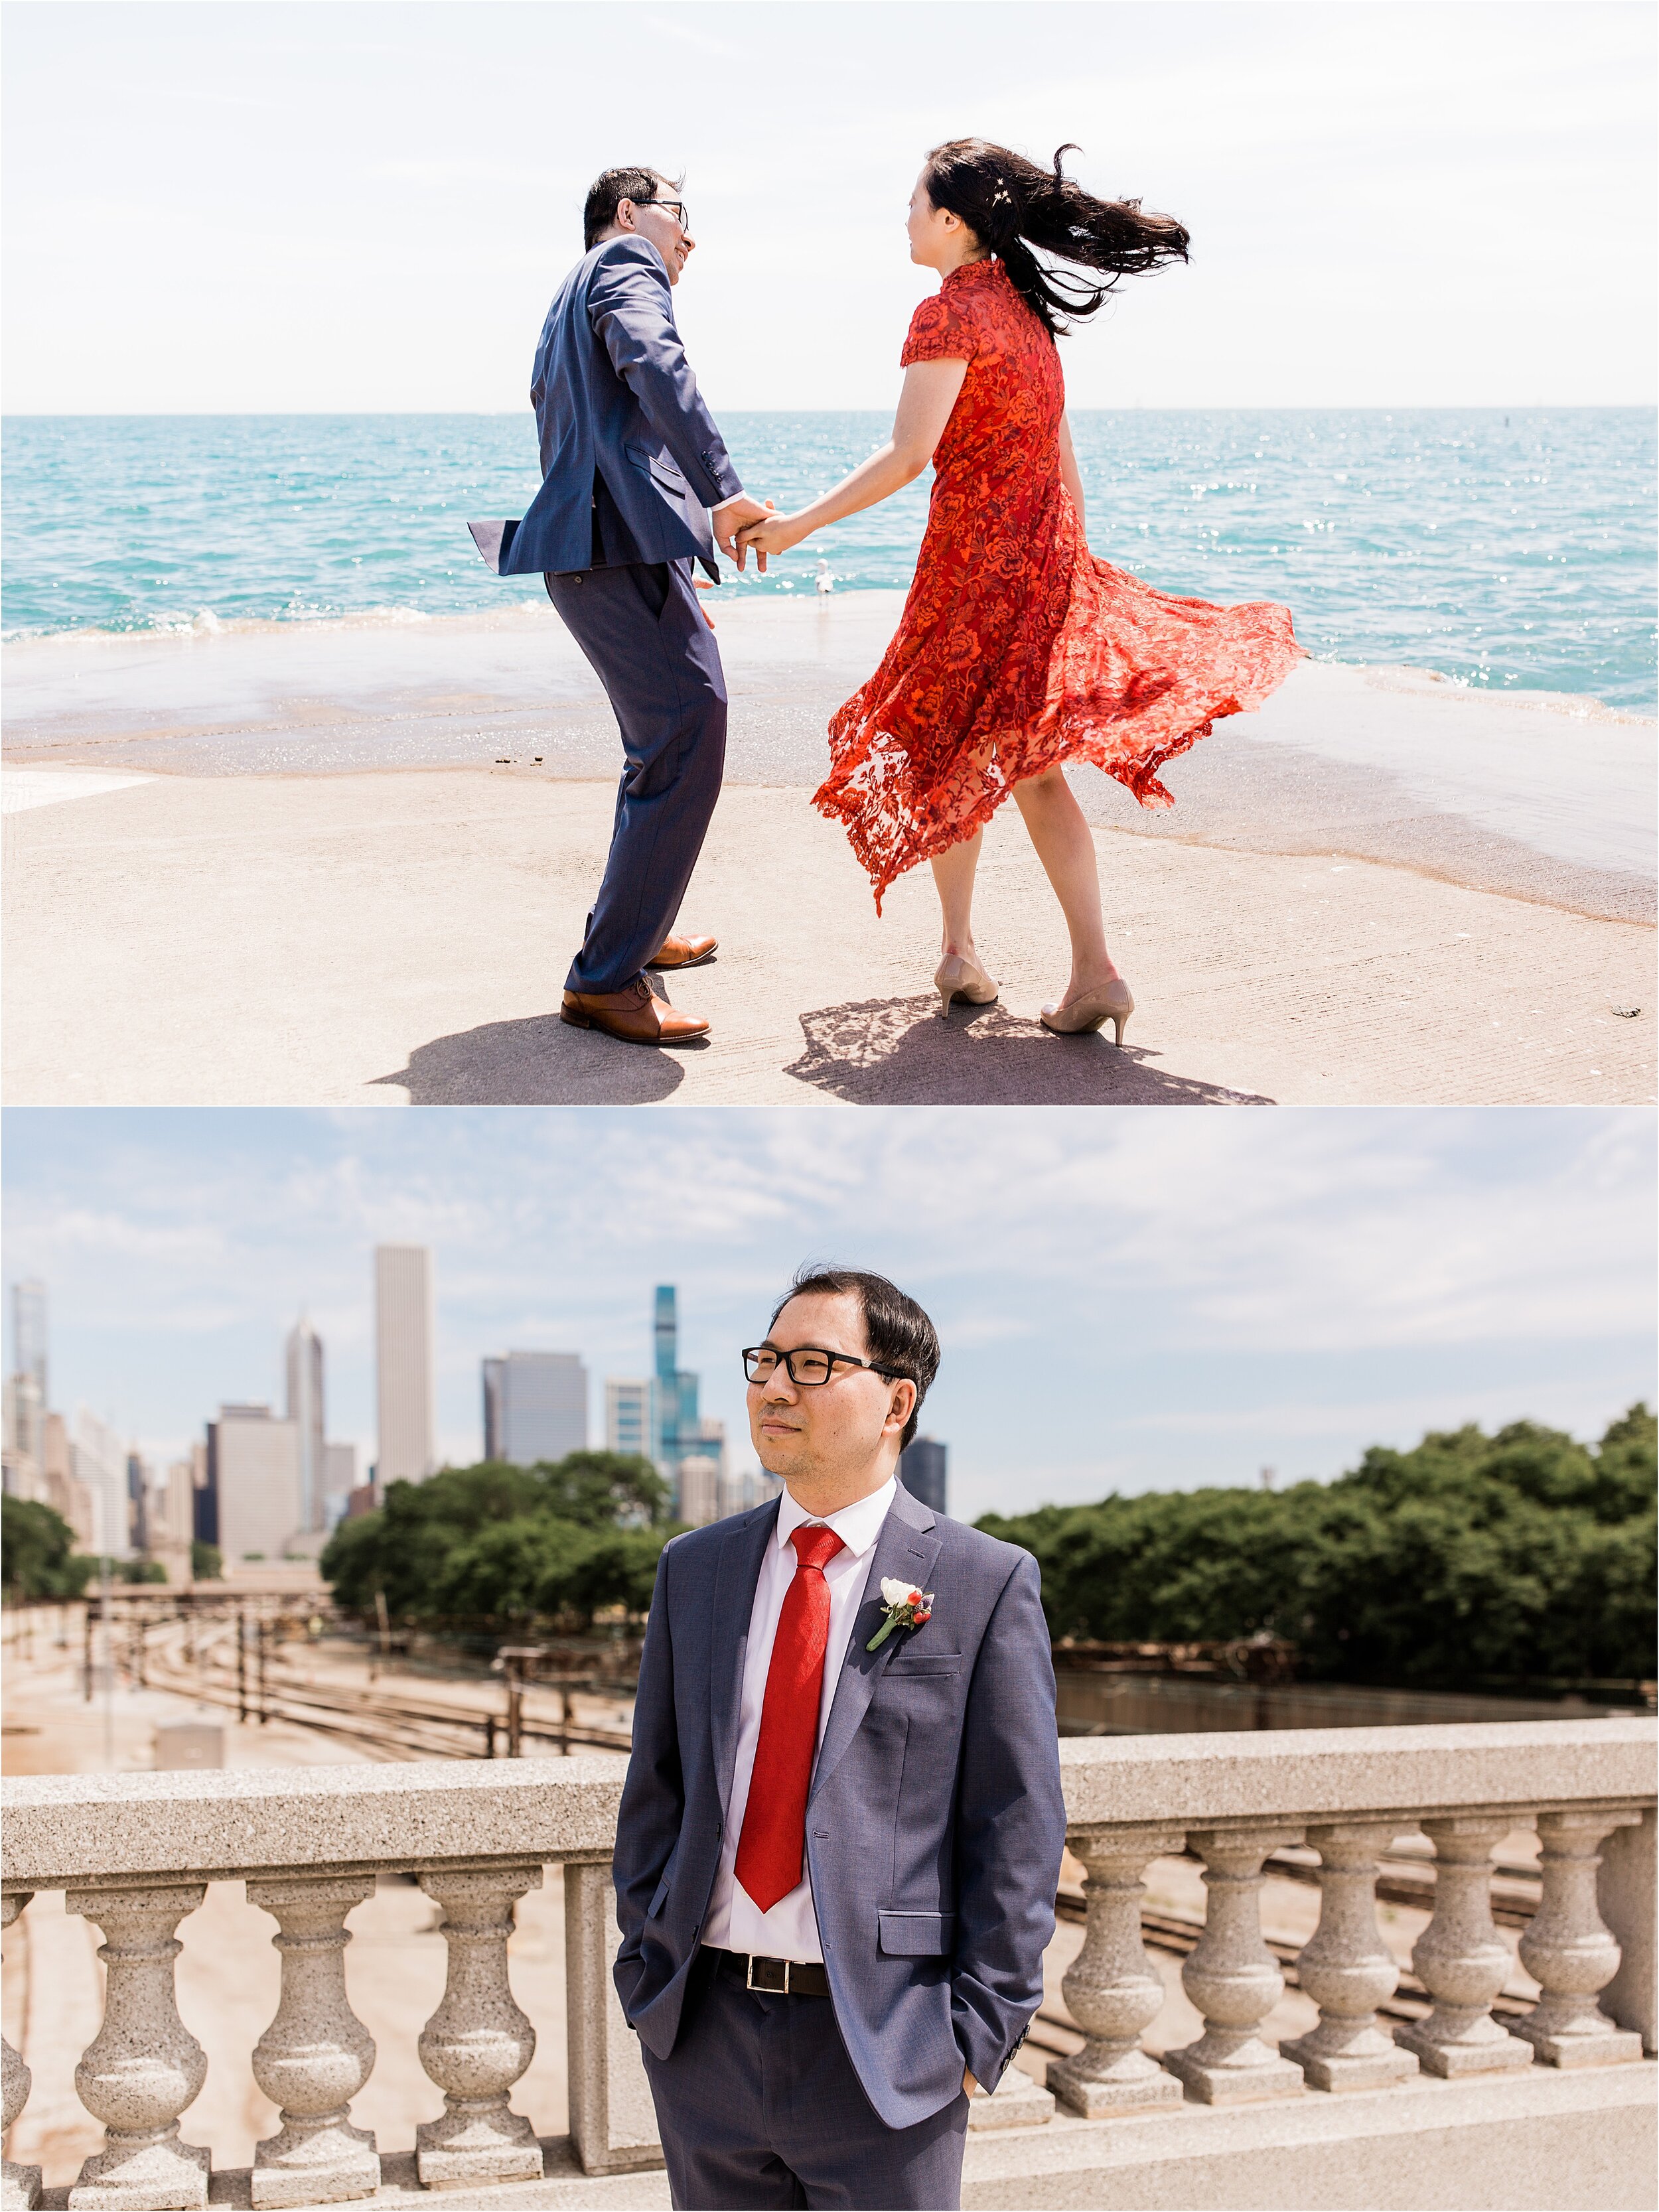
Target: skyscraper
{"x": 26, "y": 1401}
{"x": 403, "y": 1362}
{"x": 535, "y": 1406}
{"x": 305, "y": 1410}
{"x": 98, "y": 1459}
{"x": 339, "y": 1480}
{"x": 922, "y": 1469}
{"x": 678, "y": 1424}
{"x": 28, "y": 1334}
{"x": 628, "y": 1424}
{"x": 254, "y": 1462}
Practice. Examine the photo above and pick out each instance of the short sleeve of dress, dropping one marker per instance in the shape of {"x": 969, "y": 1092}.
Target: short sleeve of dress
{"x": 939, "y": 331}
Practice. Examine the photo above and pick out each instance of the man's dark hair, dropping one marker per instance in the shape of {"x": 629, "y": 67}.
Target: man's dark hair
{"x": 606, "y": 193}
{"x": 899, "y": 1334}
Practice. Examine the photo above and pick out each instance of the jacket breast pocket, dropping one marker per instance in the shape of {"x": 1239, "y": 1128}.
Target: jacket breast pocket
{"x": 906, "y": 1666}
{"x": 916, "y": 1934}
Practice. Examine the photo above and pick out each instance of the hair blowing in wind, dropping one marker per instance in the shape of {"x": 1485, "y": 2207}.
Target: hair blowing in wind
{"x": 1012, "y": 206}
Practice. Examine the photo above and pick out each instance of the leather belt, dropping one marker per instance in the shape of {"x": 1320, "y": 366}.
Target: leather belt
{"x": 781, "y": 1978}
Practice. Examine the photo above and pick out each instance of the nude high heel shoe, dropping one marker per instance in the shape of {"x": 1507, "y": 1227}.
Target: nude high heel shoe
{"x": 958, "y": 977}
{"x": 1112, "y": 1003}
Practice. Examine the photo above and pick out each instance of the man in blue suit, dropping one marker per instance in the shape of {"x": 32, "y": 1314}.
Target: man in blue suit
{"x": 841, "y": 1832}
{"x": 637, "y": 486}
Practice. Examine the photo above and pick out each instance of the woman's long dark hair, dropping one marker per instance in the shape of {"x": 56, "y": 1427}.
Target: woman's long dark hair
{"x": 1012, "y": 205}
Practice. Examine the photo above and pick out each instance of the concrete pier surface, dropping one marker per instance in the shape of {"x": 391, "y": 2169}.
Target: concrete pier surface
{"x": 336, "y": 863}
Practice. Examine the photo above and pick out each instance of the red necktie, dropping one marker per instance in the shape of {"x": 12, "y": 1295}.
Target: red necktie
{"x": 774, "y": 1839}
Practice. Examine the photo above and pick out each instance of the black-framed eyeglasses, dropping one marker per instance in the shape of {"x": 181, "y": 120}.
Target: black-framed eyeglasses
{"x": 675, "y": 207}
{"x": 809, "y": 1365}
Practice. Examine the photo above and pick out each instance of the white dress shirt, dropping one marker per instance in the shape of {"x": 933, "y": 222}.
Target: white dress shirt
{"x": 734, "y": 1921}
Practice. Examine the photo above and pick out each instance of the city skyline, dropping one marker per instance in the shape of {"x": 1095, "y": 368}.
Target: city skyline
{"x": 1362, "y": 1285}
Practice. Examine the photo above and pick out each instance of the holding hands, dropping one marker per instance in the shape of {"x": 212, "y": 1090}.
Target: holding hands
{"x": 771, "y": 534}
{"x": 735, "y": 515}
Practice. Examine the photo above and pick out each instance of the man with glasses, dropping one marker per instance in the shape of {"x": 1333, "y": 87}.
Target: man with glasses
{"x": 840, "y": 1837}
{"x": 637, "y": 487}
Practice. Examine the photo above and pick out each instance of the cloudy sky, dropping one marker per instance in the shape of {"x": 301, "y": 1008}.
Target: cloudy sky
{"x": 275, "y": 205}
{"x": 1133, "y": 1300}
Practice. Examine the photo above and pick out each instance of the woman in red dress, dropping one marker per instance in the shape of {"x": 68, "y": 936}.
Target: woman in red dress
{"x": 1018, "y": 651}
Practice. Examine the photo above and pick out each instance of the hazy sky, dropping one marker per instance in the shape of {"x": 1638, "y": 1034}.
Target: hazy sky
{"x": 240, "y": 205}
{"x": 1146, "y": 1299}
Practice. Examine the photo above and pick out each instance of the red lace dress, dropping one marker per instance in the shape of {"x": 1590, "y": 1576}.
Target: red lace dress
{"x": 1018, "y": 648}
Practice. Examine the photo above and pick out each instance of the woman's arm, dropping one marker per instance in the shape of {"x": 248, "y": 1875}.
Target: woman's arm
{"x": 928, "y": 395}
{"x": 1068, "y": 468}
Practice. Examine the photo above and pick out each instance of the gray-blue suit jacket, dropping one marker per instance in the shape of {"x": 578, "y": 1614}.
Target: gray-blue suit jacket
{"x": 617, "y": 406}
{"x": 934, "y": 1824}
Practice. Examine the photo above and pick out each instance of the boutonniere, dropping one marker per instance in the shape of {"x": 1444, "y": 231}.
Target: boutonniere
{"x": 905, "y": 1606}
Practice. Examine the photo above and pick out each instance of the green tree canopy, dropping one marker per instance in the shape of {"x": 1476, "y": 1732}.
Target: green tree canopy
{"x": 39, "y": 1548}
{"x": 1469, "y": 1557}
{"x": 560, "y": 1540}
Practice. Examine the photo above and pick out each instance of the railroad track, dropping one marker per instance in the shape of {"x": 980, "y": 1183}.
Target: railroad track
{"x": 393, "y": 1728}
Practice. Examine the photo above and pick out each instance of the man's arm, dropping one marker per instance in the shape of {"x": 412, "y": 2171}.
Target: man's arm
{"x": 1011, "y": 1830}
{"x": 653, "y": 1795}
{"x": 630, "y": 303}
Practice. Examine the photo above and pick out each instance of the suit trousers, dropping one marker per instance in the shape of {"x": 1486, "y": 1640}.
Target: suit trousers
{"x": 758, "y": 2104}
{"x": 643, "y": 634}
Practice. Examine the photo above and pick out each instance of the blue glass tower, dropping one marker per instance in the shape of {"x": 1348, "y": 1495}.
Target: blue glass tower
{"x": 678, "y": 1423}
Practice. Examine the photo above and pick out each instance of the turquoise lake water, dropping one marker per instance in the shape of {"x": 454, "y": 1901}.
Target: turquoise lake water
{"x": 1508, "y": 551}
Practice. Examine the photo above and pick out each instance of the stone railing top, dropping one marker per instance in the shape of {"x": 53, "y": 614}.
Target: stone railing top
{"x": 1301, "y": 1773}
{"x": 72, "y": 1827}
{"x": 75, "y": 1828}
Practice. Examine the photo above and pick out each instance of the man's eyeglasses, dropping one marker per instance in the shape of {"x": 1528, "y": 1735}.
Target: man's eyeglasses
{"x": 808, "y": 1364}
{"x": 675, "y": 207}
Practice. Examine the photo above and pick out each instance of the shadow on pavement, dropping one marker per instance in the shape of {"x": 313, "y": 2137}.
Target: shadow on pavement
{"x": 539, "y": 1061}
{"x": 898, "y": 1052}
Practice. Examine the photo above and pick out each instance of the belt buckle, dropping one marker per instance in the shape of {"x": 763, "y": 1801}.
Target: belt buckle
{"x": 766, "y": 1989}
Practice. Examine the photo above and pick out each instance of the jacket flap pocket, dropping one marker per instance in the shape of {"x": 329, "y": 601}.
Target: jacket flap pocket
{"x": 667, "y": 472}
{"x": 903, "y": 1664}
{"x": 659, "y": 1900}
{"x": 916, "y": 1934}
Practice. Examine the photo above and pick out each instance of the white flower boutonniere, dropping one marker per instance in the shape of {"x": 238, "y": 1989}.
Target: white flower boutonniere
{"x": 905, "y": 1606}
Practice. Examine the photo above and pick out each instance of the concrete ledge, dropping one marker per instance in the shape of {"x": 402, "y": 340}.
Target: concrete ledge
{"x": 1205, "y": 1779}
{"x": 1541, "y": 2143}
{"x": 81, "y": 1827}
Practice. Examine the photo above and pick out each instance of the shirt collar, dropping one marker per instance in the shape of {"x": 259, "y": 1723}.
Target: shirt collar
{"x": 858, "y": 1526}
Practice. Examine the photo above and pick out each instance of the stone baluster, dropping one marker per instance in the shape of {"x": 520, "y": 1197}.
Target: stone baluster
{"x": 1460, "y": 1957}
{"x": 1628, "y": 1893}
{"x": 316, "y": 2054}
{"x": 1112, "y": 1989}
{"x": 1345, "y": 1969}
{"x": 1233, "y": 1977}
{"x": 1569, "y": 1950}
{"x": 477, "y": 2043}
{"x": 613, "y": 2121}
{"x": 144, "y": 2066}
{"x": 20, "y": 2186}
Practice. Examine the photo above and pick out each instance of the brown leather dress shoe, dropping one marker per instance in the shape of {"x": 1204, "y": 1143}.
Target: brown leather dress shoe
{"x": 684, "y": 952}
{"x": 636, "y": 1015}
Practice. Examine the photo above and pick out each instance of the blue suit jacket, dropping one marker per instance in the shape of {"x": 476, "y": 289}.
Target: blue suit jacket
{"x": 618, "y": 410}
{"x": 934, "y": 1824}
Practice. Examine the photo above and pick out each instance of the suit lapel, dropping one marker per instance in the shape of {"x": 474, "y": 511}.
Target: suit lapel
{"x": 905, "y": 1551}
{"x": 735, "y": 1578}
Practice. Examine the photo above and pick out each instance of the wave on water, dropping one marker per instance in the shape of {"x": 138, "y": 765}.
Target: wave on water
{"x": 1508, "y": 552}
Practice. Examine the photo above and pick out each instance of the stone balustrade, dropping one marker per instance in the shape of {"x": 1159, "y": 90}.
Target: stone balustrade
{"x": 133, "y": 1854}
